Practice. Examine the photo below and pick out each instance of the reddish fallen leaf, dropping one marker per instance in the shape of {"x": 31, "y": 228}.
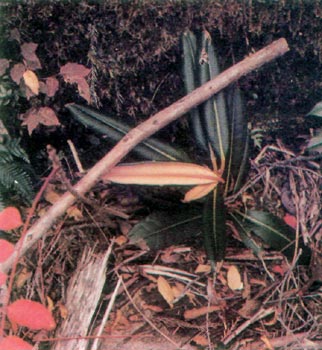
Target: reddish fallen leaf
{"x": 3, "y": 278}
{"x": 10, "y": 219}
{"x": 14, "y": 343}
{"x": 43, "y": 115}
{"x": 4, "y": 64}
{"x": 281, "y": 268}
{"x": 28, "y": 51}
{"x": 6, "y": 249}
{"x": 290, "y": 220}
{"x": 17, "y": 71}
{"x": 30, "y": 314}
{"x": 200, "y": 340}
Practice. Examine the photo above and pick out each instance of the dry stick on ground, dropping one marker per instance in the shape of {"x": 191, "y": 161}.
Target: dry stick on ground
{"x": 143, "y": 131}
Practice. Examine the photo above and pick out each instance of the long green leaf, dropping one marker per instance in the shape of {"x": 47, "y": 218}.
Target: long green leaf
{"x": 151, "y": 149}
{"x": 237, "y": 163}
{"x": 274, "y": 232}
{"x": 190, "y": 74}
{"x": 165, "y": 228}
{"x": 215, "y": 115}
{"x": 214, "y": 225}
{"x": 245, "y": 233}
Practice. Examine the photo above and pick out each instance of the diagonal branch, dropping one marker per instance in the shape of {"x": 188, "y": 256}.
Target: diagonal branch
{"x": 143, "y": 131}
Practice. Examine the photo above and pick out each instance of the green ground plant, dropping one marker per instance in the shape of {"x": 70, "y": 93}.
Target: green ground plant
{"x": 219, "y": 128}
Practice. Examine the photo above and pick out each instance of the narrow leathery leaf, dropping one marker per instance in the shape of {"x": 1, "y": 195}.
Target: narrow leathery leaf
{"x": 274, "y": 232}
{"x": 243, "y": 168}
{"x": 198, "y": 192}
{"x": 245, "y": 234}
{"x": 221, "y": 127}
{"x": 151, "y": 149}
{"x": 162, "y": 173}
{"x": 238, "y": 148}
{"x": 190, "y": 66}
{"x": 158, "y": 230}
{"x": 316, "y": 111}
{"x": 214, "y": 110}
{"x": 214, "y": 225}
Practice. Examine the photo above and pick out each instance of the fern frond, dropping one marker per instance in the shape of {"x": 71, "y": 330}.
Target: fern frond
{"x": 16, "y": 177}
{"x": 10, "y": 148}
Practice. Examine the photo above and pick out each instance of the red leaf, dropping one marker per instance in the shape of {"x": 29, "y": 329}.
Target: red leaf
{"x": 16, "y": 72}
{"x": 42, "y": 115}
{"x": 30, "y": 314}
{"x": 10, "y": 219}
{"x": 71, "y": 72}
{"x": 29, "y": 54}
{"x": 3, "y": 278}
{"x": 14, "y": 343}
{"x": 52, "y": 86}
{"x": 290, "y": 220}
{"x": 83, "y": 89}
{"x": 4, "y": 64}
{"x": 6, "y": 249}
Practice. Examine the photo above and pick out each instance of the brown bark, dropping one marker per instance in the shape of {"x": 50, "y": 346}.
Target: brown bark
{"x": 143, "y": 131}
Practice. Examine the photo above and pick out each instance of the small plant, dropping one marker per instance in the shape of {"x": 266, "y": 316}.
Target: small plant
{"x": 220, "y": 129}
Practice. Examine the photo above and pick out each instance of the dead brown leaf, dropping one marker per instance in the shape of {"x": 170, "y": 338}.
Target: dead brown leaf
{"x": 22, "y": 277}
{"x": 202, "y": 268}
{"x": 63, "y": 311}
{"x": 168, "y": 257}
{"x": 74, "y": 213}
{"x": 234, "y": 280}
{"x": 200, "y": 340}
{"x": 250, "y": 307}
{"x": 51, "y": 195}
{"x": 165, "y": 290}
{"x": 195, "y": 313}
{"x": 120, "y": 240}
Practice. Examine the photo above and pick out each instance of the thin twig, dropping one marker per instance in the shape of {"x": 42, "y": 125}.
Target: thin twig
{"x": 107, "y": 313}
{"x": 258, "y": 316}
{"x": 145, "y": 318}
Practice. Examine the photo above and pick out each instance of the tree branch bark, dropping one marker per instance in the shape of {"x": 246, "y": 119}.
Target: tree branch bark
{"x": 143, "y": 131}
